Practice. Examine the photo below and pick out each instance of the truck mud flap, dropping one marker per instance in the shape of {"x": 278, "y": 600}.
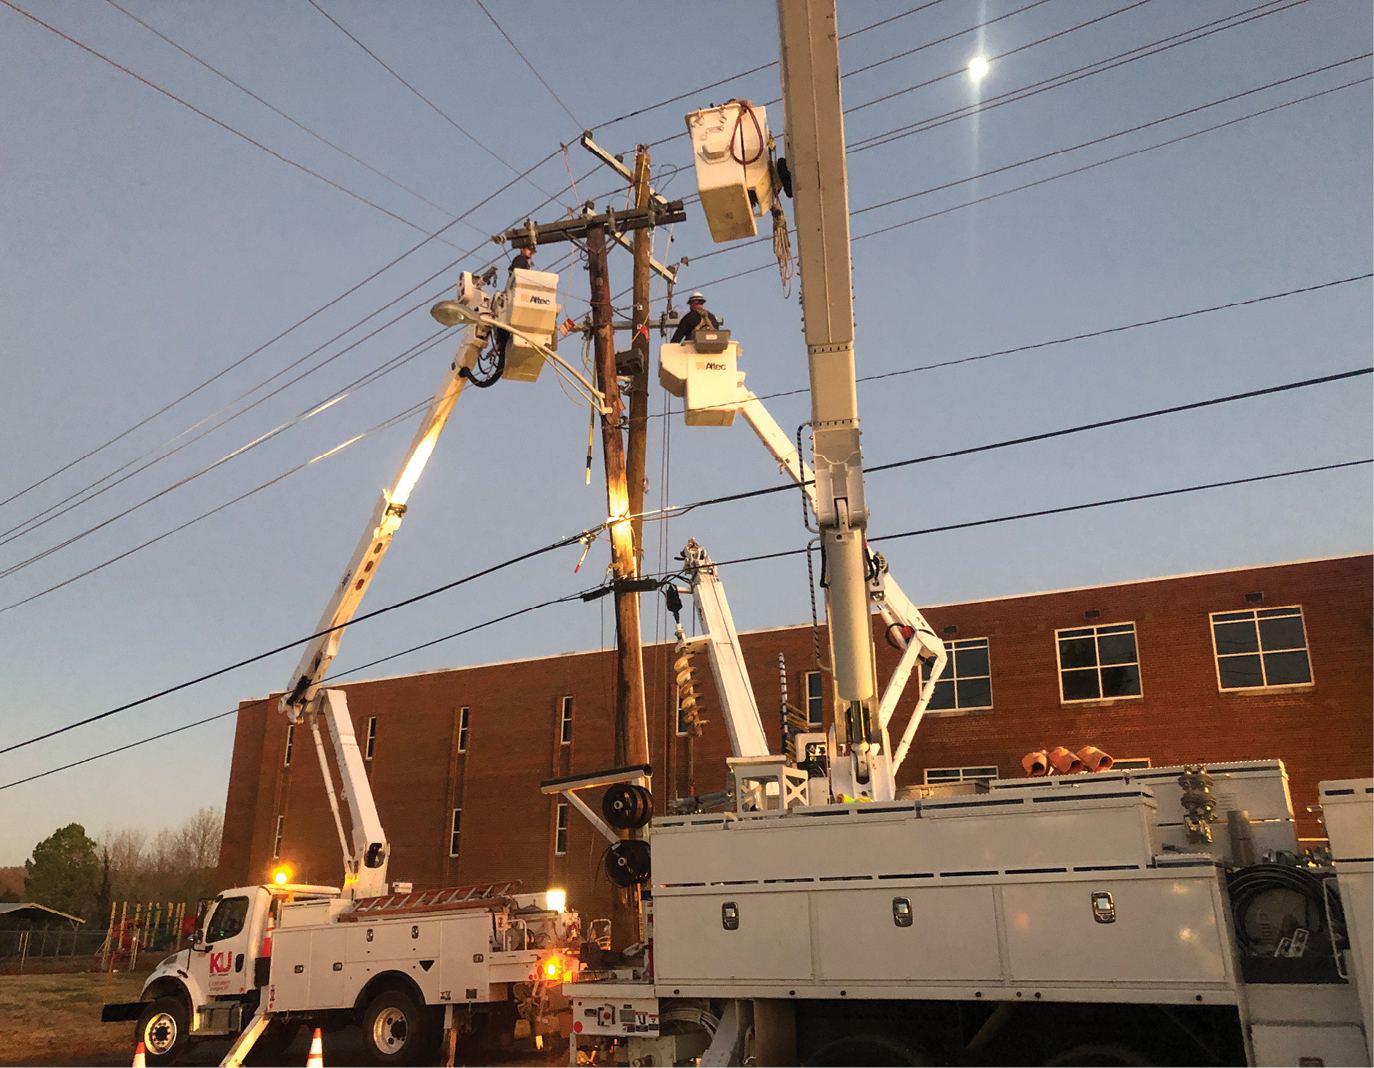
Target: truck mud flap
{"x": 123, "y": 1010}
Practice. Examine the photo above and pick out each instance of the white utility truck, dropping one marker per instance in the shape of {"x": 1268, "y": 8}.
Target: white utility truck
{"x": 269, "y": 957}
{"x": 826, "y": 917}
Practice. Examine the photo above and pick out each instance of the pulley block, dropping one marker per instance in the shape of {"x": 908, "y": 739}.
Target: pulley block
{"x": 627, "y": 806}
{"x": 627, "y": 862}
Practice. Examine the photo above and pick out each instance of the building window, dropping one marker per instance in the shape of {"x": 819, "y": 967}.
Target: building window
{"x": 290, "y": 742}
{"x": 1097, "y": 663}
{"x": 560, "y": 838}
{"x": 966, "y": 681}
{"x": 462, "y": 730}
{"x": 815, "y": 700}
{"x": 565, "y": 723}
{"x": 1260, "y": 648}
{"x": 455, "y": 832}
{"x": 934, "y": 775}
{"x": 276, "y": 842}
{"x": 371, "y": 738}
{"x": 1131, "y": 764}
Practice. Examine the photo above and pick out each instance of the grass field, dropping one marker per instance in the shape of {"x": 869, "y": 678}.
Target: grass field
{"x": 55, "y": 1019}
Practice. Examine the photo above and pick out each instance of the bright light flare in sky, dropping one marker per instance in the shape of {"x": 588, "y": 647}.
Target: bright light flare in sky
{"x": 977, "y": 68}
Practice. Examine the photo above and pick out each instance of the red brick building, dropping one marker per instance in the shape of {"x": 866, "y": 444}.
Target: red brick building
{"x": 1260, "y": 662}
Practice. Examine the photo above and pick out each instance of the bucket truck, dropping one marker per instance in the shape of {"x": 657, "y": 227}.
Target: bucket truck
{"x": 824, "y": 918}
{"x": 269, "y": 957}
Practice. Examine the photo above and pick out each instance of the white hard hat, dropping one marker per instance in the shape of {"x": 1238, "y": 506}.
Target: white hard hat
{"x": 696, "y": 296}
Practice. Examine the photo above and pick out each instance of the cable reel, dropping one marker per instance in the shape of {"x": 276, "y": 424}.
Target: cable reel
{"x": 627, "y": 806}
{"x": 627, "y": 862}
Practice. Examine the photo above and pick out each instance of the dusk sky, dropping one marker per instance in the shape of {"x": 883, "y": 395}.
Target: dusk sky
{"x": 155, "y": 248}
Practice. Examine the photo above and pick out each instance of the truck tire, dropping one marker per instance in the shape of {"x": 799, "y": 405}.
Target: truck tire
{"x": 861, "y": 1049}
{"x": 164, "y": 1029}
{"x": 396, "y": 1030}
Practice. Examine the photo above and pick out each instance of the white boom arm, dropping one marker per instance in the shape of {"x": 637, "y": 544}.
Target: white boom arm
{"x": 809, "y": 51}
{"x": 883, "y": 591}
{"x": 377, "y": 535}
{"x": 741, "y": 711}
{"x": 365, "y": 857}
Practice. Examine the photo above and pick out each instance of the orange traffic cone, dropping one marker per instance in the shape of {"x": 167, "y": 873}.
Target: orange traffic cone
{"x": 140, "y": 1057}
{"x": 316, "y": 1058}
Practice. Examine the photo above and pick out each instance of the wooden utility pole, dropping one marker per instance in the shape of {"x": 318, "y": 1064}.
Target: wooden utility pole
{"x": 631, "y": 726}
{"x": 639, "y": 381}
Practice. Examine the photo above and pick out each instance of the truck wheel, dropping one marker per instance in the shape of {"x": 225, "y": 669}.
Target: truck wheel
{"x": 1092, "y": 1054}
{"x": 866, "y": 1050}
{"x": 164, "y": 1029}
{"x": 395, "y": 1029}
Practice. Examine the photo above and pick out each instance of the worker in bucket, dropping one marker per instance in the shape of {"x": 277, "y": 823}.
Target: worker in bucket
{"x": 696, "y": 316}
{"x": 523, "y": 260}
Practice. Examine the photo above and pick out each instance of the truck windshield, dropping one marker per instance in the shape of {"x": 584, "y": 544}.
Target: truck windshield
{"x": 228, "y": 919}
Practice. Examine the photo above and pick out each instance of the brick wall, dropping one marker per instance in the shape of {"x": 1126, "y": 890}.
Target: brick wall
{"x": 418, "y": 776}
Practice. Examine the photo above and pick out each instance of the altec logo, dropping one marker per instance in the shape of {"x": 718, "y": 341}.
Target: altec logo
{"x": 221, "y": 963}
{"x": 715, "y": 366}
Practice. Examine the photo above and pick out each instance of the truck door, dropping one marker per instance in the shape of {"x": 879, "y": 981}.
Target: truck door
{"x": 225, "y": 965}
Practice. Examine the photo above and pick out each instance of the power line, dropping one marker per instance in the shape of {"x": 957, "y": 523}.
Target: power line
{"x": 722, "y": 563}
{"x": 683, "y": 509}
{"x": 675, "y": 511}
{"x": 433, "y": 106}
{"x": 265, "y": 700}
{"x": 754, "y": 70}
{"x": 1050, "y": 178}
{"x": 942, "y": 40}
{"x": 294, "y": 122}
{"x": 1067, "y": 508}
{"x": 221, "y": 124}
{"x": 511, "y": 562}
{"x": 1057, "y": 81}
{"x": 1110, "y": 136}
{"x": 527, "y": 63}
{"x": 385, "y": 425}
{"x": 273, "y": 340}
{"x": 1116, "y": 158}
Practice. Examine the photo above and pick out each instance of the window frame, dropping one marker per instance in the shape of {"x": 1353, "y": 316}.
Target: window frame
{"x": 962, "y": 776}
{"x": 961, "y": 710}
{"x": 565, "y": 720}
{"x": 276, "y": 840}
{"x": 816, "y": 700}
{"x": 1254, "y": 614}
{"x": 463, "y": 726}
{"x": 455, "y": 832}
{"x": 1095, "y": 629}
{"x": 560, "y": 830}
{"x": 370, "y": 746}
{"x": 290, "y": 744}
{"x": 236, "y": 906}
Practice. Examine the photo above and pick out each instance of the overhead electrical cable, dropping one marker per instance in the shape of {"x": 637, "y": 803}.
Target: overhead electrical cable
{"x": 273, "y": 340}
{"x": 772, "y": 265}
{"x": 722, "y": 563}
{"x": 264, "y": 700}
{"x": 675, "y": 511}
{"x": 218, "y": 122}
{"x": 1117, "y": 158}
{"x": 1057, "y": 81}
{"x": 940, "y": 40}
{"x": 420, "y": 347}
{"x": 1067, "y": 508}
{"x": 754, "y": 70}
{"x": 385, "y": 425}
{"x": 472, "y": 577}
{"x": 1108, "y": 137}
{"x": 535, "y": 72}
{"x": 430, "y": 103}
{"x": 294, "y": 122}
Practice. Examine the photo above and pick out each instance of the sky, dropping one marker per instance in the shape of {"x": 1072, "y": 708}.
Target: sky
{"x": 186, "y": 270}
